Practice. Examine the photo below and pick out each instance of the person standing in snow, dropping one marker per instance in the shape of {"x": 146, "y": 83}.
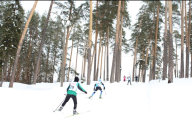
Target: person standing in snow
{"x": 71, "y": 93}
{"x": 129, "y": 80}
{"x": 98, "y": 87}
{"x": 124, "y": 78}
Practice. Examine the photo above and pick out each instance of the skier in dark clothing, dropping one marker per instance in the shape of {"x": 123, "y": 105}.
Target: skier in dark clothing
{"x": 98, "y": 87}
{"x": 136, "y": 78}
{"x": 71, "y": 93}
{"x": 129, "y": 80}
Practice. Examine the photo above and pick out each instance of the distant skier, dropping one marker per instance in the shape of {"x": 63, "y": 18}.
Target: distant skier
{"x": 136, "y": 78}
{"x": 71, "y": 93}
{"x": 129, "y": 80}
{"x": 98, "y": 87}
{"x": 124, "y": 78}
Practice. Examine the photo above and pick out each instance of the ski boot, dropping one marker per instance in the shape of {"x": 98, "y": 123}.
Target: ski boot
{"x": 75, "y": 112}
{"x": 60, "y": 108}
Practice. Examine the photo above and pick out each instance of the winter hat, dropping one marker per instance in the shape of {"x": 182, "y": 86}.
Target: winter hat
{"x": 76, "y": 79}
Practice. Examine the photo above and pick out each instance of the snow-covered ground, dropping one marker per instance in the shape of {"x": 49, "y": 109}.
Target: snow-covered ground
{"x": 140, "y": 104}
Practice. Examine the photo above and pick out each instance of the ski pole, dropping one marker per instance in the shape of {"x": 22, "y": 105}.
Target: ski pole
{"x": 59, "y": 105}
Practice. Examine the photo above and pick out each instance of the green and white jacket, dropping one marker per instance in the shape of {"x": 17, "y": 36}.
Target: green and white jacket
{"x": 72, "y": 88}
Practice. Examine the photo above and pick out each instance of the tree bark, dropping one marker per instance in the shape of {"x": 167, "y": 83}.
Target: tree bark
{"x": 20, "y": 44}
{"x": 70, "y": 62}
{"x": 135, "y": 54}
{"x": 101, "y": 62}
{"x": 41, "y": 45}
{"x": 190, "y": 32}
{"x": 77, "y": 57}
{"x": 155, "y": 47}
{"x": 66, "y": 45}
{"x": 17, "y": 76}
{"x": 95, "y": 48}
{"x": 171, "y": 64}
{"x": 47, "y": 64}
{"x": 187, "y": 45}
{"x": 97, "y": 73}
{"x": 118, "y": 57}
{"x": 116, "y": 43}
{"x": 182, "y": 42}
{"x": 165, "y": 46}
{"x": 146, "y": 57}
{"x": 62, "y": 72}
{"x": 176, "y": 67}
{"x": 108, "y": 53}
{"x": 89, "y": 46}
{"x": 27, "y": 69}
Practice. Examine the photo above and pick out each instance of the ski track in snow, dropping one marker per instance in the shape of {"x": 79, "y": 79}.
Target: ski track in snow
{"x": 141, "y": 104}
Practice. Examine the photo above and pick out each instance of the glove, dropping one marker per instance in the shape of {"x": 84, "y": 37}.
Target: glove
{"x": 85, "y": 92}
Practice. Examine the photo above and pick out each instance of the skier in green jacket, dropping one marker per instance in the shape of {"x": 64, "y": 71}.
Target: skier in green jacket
{"x": 71, "y": 93}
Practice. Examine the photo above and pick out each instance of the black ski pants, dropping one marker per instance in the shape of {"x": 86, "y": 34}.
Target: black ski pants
{"x": 67, "y": 99}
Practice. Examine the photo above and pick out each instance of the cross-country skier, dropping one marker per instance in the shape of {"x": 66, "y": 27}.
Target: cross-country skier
{"x": 129, "y": 80}
{"x": 124, "y": 78}
{"x": 71, "y": 93}
{"x": 98, "y": 87}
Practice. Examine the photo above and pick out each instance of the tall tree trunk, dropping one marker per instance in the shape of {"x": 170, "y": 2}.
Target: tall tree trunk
{"x": 176, "y": 73}
{"x": 85, "y": 58}
{"x": 165, "y": 46}
{"x": 135, "y": 55}
{"x": 54, "y": 59}
{"x": 70, "y": 62}
{"x": 117, "y": 71}
{"x": 142, "y": 68}
{"x": 171, "y": 64}
{"x": 82, "y": 65}
{"x": 66, "y": 46}
{"x": 89, "y": 46}
{"x": 155, "y": 48}
{"x": 95, "y": 48}
{"x": 190, "y": 32}
{"x": 97, "y": 73}
{"x": 2, "y": 77}
{"x": 116, "y": 43}
{"x": 104, "y": 72}
{"x": 20, "y": 44}
{"x": 146, "y": 57}
{"x": 27, "y": 69}
{"x": 17, "y": 76}
{"x": 77, "y": 57}
{"x": 62, "y": 71}
{"x": 47, "y": 64}
{"x": 134, "y": 60}
{"x": 151, "y": 65}
{"x": 3, "y": 72}
{"x": 182, "y": 42}
{"x": 101, "y": 62}
{"x": 187, "y": 45}
{"x": 118, "y": 57}
{"x": 41, "y": 45}
{"x": 189, "y": 29}
{"x": 54, "y": 62}
{"x": 108, "y": 53}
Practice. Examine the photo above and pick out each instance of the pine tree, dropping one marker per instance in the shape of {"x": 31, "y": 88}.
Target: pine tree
{"x": 182, "y": 41}
{"x": 12, "y": 21}
{"x": 171, "y": 65}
